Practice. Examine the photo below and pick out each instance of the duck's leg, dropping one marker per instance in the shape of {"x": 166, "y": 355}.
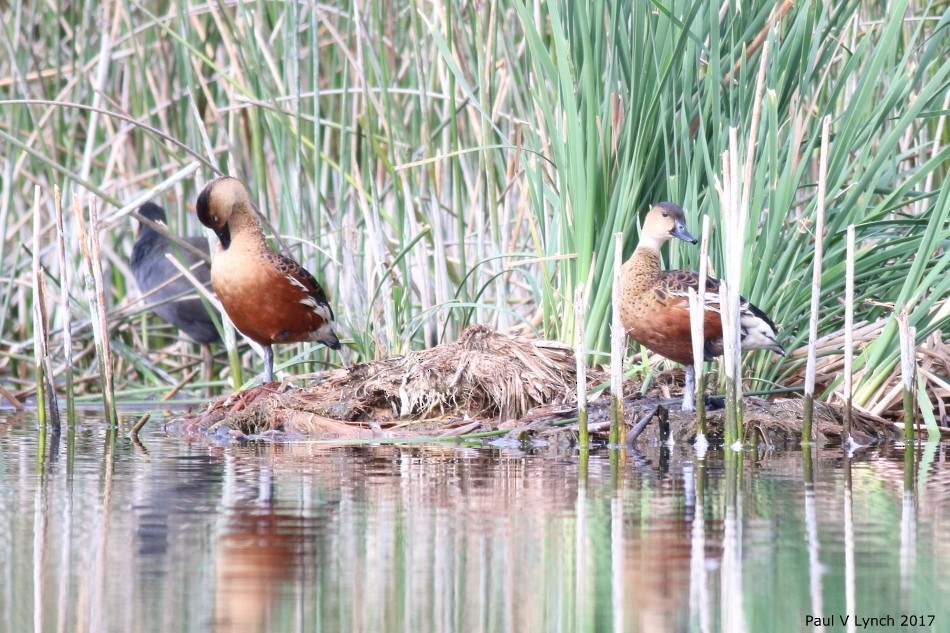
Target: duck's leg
{"x": 268, "y": 364}
{"x": 689, "y": 395}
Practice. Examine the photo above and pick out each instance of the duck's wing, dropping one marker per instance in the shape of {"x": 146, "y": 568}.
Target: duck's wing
{"x": 304, "y": 303}
{"x": 301, "y": 278}
{"x": 678, "y": 283}
{"x": 757, "y": 329}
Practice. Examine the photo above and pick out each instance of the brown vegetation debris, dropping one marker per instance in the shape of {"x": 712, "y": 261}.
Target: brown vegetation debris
{"x": 490, "y": 381}
{"x": 483, "y": 378}
{"x": 772, "y": 423}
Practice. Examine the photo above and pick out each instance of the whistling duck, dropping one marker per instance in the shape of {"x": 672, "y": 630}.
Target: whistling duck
{"x": 270, "y": 298}
{"x": 654, "y": 305}
{"x": 153, "y": 270}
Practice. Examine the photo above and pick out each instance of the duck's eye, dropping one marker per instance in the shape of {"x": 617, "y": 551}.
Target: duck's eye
{"x": 665, "y": 214}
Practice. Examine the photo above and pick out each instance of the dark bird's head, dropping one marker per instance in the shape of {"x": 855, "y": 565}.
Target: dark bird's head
{"x": 153, "y": 212}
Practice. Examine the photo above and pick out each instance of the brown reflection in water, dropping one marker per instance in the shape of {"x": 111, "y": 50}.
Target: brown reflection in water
{"x": 656, "y": 577}
{"x": 657, "y": 547}
{"x": 258, "y": 559}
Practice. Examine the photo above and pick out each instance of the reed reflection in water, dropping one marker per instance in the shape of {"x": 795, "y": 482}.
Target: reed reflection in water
{"x": 303, "y": 537}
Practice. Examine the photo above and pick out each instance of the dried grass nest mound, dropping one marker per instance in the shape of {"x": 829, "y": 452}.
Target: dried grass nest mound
{"x": 485, "y": 381}
{"x": 479, "y": 380}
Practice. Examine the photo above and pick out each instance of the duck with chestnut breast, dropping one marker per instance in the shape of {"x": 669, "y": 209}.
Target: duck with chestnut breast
{"x": 654, "y": 304}
{"x": 270, "y": 298}
{"x": 164, "y": 284}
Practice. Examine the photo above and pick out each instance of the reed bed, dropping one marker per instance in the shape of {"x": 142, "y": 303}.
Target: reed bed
{"x": 441, "y": 164}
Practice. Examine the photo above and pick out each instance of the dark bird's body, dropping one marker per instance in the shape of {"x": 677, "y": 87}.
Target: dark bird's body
{"x": 152, "y": 269}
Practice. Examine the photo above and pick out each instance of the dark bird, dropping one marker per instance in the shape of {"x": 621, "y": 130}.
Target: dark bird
{"x": 270, "y": 298}
{"x": 154, "y": 272}
{"x": 654, "y": 305}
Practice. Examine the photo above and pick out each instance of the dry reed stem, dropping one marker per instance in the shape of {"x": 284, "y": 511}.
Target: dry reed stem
{"x": 697, "y": 311}
{"x": 729, "y": 288}
{"x": 816, "y": 277}
{"x": 65, "y": 281}
{"x": 92, "y": 257}
{"x": 617, "y": 348}
{"x": 44, "y": 408}
{"x": 908, "y": 336}
{"x": 580, "y": 353}
{"x": 848, "y": 335}
{"x": 759, "y": 40}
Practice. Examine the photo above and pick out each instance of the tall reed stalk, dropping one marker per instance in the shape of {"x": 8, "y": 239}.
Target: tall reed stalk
{"x": 618, "y": 348}
{"x": 580, "y": 352}
{"x": 809, "y": 409}
{"x": 697, "y": 317}
{"x": 848, "y": 340}
{"x": 89, "y": 246}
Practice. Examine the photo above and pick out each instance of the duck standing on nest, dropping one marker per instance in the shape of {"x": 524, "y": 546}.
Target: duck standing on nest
{"x": 654, "y": 305}
{"x": 270, "y": 298}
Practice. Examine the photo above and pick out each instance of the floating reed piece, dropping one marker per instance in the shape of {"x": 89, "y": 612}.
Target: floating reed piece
{"x": 92, "y": 269}
{"x": 810, "y": 364}
{"x": 908, "y": 343}
{"x": 617, "y": 348}
{"x": 65, "y": 281}
{"x": 848, "y": 337}
{"x": 580, "y": 354}
{"x": 697, "y": 316}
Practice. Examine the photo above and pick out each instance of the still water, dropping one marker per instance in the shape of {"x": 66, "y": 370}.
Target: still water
{"x": 168, "y": 536}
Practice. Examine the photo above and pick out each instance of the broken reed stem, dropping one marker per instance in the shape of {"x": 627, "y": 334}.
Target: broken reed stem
{"x": 733, "y": 238}
{"x": 44, "y": 371}
{"x": 580, "y": 355}
{"x": 92, "y": 258}
{"x": 810, "y": 366}
{"x": 617, "y": 339}
{"x": 733, "y": 395}
{"x": 908, "y": 342}
{"x": 134, "y": 433}
{"x": 697, "y": 314}
{"x": 735, "y": 193}
{"x": 42, "y": 323}
{"x": 848, "y": 337}
{"x": 65, "y": 282}
{"x": 38, "y": 352}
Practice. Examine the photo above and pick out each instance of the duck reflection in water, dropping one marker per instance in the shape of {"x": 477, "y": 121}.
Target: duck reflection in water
{"x": 258, "y": 562}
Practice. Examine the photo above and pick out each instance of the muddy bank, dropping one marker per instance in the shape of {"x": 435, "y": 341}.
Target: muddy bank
{"x": 486, "y": 382}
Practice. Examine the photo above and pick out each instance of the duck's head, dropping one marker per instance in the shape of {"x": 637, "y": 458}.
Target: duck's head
{"x": 218, "y": 202}
{"x": 153, "y": 212}
{"x": 665, "y": 220}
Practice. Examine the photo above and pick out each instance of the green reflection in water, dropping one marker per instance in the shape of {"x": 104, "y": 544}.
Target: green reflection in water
{"x": 102, "y": 535}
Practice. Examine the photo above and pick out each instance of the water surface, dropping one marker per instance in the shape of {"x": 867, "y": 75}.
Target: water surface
{"x": 167, "y": 536}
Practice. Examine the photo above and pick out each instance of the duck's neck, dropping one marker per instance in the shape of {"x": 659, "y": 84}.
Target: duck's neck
{"x": 651, "y": 242}
{"x": 245, "y": 228}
